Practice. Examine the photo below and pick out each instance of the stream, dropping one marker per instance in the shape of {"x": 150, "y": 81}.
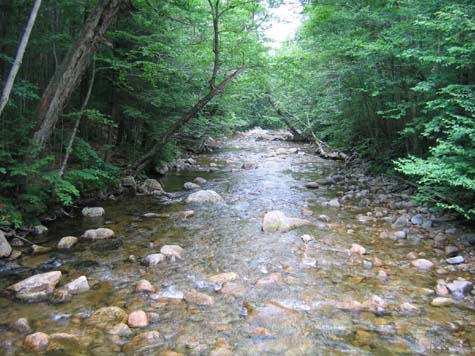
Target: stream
{"x": 308, "y": 291}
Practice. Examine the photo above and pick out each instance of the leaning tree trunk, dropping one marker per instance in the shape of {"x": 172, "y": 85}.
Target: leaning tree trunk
{"x": 19, "y": 56}
{"x": 68, "y": 74}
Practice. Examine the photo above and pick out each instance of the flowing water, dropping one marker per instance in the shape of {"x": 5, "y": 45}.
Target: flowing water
{"x": 279, "y": 305}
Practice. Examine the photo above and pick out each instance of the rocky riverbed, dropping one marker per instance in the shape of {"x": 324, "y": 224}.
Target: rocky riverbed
{"x": 261, "y": 248}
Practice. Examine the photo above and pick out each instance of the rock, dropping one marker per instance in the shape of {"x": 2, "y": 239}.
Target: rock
{"x": 67, "y": 242}
{"x": 129, "y": 182}
{"x": 306, "y": 238}
{"x": 171, "y": 251}
{"x": 37, "y": 287}
{"x": 199, "y": 180}
{"x": 38, "y": 250}
{"x": 191, "y": 186}
{"x": 145, "y": 286}
{"x": 402, "y": 234}
{"x": 143, "y": 342}
{"x": 375, "y": 304}
{"x": 364, "y": 219}
{"x": 334, "y": 203}
{"x": 277, "y": 221}
{"x": 412, "y": 255}
{"x": 39, "y": 229}
{"x": 107, "y": 317}
{"x": 153, "y": 317}
{"x": 169, "y": 293}
{"x": 101, "y": 233}
{"x": 323, "y": 218}
{"x": 400, "y": 222}
{"x": 224, "y": 277}
{"x": 441, "y": 302}
{"x": 15, "y": 242}
{"x": 137, "y": 319}
{"x": 185, "y": 214}
{"x": 204, "y": 197}
{"x": 382, "y": 275}
{"x": 306, "y": 212}
{"x": 309, "y": 261}
{"x": 460, "y": 288}
{"x": 162, "y": 168}
{"x": 67, "y": 344}
{"x": 249, "y": 165}
{"x": 79, "y": 285}
{"x": 233, "y": 288}
{"x": 120, "y": 329}
{"x": 274, "y": 316}
{"x": 455, "y": 260}
{"x": 151, "y": 186}
{"x": 357, "y": 249}
{"x": 422, "y": 264}
{"x": 61, "y": 295}
{"x": 152, "y": 215}
{"x": 417, "y": 219}
{"x": 22, "y": 326}
{"x": 5, "y": 248}
{"x": 409, "y": 309}
{"x": 198, "y": 298}
{"x": 451, "y": 251}
{"x": 271, "y": 279}
{"x": 352, "y": 305}
{"x": 16, "y": 254}
{"x": 37, "y": 342}
{"x": 154, "y": 259}
{"x": 441, "y": 289}
{"x": 93, "y": 212}
{"x": 312, "y": 185}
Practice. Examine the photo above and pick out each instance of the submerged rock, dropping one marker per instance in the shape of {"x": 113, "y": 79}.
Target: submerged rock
{"x": 22, "y": 326}
{"x": 357, "y": 249}
{"x": 137, "y": 319}
{"x": 422, "y": 264}
{"x": 37, "y": 287}
{"x": 5, "y": 248}
{"x": 144, "y": 341}
{"x": 154, "y": 259}
{"x": 224, "y": 277}
{"x": 67, "y": 242}
{"x": 171, "y": 251}
{"x": 107, "y": 317}
{"x": 191, "y": 186}
{"x": 277, "y": 221}
{"x": 198, "y": 298}
{"x": 144, "y": 286}
{"x": 37, "y": 342}
{"x": 101, "y": 233}
{"x": 93, "y": 212}
{"x": 312, "y": 185}
{"x": 199, "y": 180}
{"x": 204, "y": 197}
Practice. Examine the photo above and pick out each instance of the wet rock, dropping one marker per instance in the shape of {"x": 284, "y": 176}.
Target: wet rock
{"x": 382, "y": 275}
{"x": 171, "y": 251}
{"x": 412, "y": 255}
{"x": 153, "y": 317}
{"x": 417, "y": 219}
{"x": 162, "y": 168}
{"x": 191, "y": 161}
{"x": 120, "y": 329}
{"x": 309, "y": 261}
{"x": 38, "y": 250}
{"x": 357, "y": 249}
{"x": 154, "y": 259}
{"x": 93, "y": 212}
{"x": 129, "y": 182}
{"x": 61, "y": 295}
{"x": 137, "y": 319}
{"x": 400, "y": 222}
{"x": 233, "y": 288}
{"x": 402, "y": 234}
{"x": 107, "y": 317}
{"x": 224, "y": 277}
{"x": 67, "y": 242}
{"x": 273, "y": 316}
{"x": 199, "y": 180}
{"x": 271, "y": 279}
{"x": 441, "y": 302}
{"x": 409, "y": 309}
{"x": 15, "y": 242}
{"x": 460, "y": 288}
{"x": 143, "y": 342}
{"x": 422, "y": 264}
{"x": 79, "y": 285}
{"x": 204, "y": 197}
{"x": 67, "y": 344}
{"x": 351, "y": 305}
{"x": 191, "y": 186}
{"x": 375, "y": 304}
{"x": 16, "y": 254}
{"x": 36, "y": 288}
{"x": 365, "y": 220}
{"x": 5, "y": 248}
{"x": 198, "y": 298}
{"x": 306, "y": 238}
{"x": 151, "y": 186}
{"x": 185, "y": 214}
{"x": 306, "y": 212}
{"x": 22, "y": 326}
{"x": 249, "y": 165}
{"x": 169, "y": 293}
{"x": 334, "y": 203}
{"x": 37, "y": 342}
{"x": 441, "y": 289}
{"x": 101, "y": 233}
{"x": 145, "y": 286}
{"x": 276, "y": 221}
{"x": 455, "y": 260}
{"x": 451, "y": 251}
{"x": 39, "y": 229}
{"x": 312, "y": 185}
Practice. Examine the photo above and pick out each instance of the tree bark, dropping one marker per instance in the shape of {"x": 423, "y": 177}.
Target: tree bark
{"x": 296, "y": 133}
{"x": 67, "y": 76}
{"x": 19, "y": 56}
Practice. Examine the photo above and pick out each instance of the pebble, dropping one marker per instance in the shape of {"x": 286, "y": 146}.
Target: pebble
{"x": 137, "y": 319}
{"x": 422, "y": 264}
{"x": 144, "y": 286}
{"x": 198, "y": 298}
{"x": 154, "y": 259}
{"x": 67, "y": 242}
{"x": 455, "y": 260}
{"x": 357, "y": 249}
{"x": 441, "y": 302}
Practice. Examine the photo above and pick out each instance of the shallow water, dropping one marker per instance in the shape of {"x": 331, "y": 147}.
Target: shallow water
{"x": 295, "y": 316}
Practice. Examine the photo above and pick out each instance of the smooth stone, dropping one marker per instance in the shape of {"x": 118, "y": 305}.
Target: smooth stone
{"x": 22, "y": 326}
{"x": 154, "y": 259}
{"x": 151, "y": 186}
{"x": 121, "y": 329}
{"x": 137, "y": 319}
{"x": 276, "y": 221}
{"x": 441, "y": 290}
{"x": 101, "y": 233}
{"x": 409, "y": 309}
{"x": 323, "y": 218}
{"x": 312, "y": 185}
{"x": 171, "y": 251}
{"x": 38, "y": 250}
{"x": 16, "y": 254}
{"x": 441, "y": 302}
{"x": 145, "y": 286}
{"x": 199, "y": 180}
{"x": 224, "y": 277}
{"x": 400, "y": 234}
{"x": 249, "y": 165}
{"x": 153, "y": 317}
{"x": 185, "y": 214}
{"x": 422, "y": 264}
{"x": 412, "y": 255}
{"x": 170, "y": 293}
{"x": 107, "y": 317}
{"x": 357, "y": 249}
{"x": 334, "y": 203}
{"x": 191, "y": 186}
{"x": 5, "y": 248}
{"x": 37, "y": 287}
{"x": 198, "y": 298}
{"x": 451, "y": 251}
{"x": 455, "y": 260}
{"x": 459, "y": 288}
{"x": 400, "y": 222}
{"x": 233, "y": 288}
{"x": 93, "y": 212}
{"x": 37, "y": 342}
{"x": 67, "y": 242}
{"x": 145, "y": 341}
{"x": 417, "y": 219}
{"x": 271, "y": 279}
{"x": 306, "y": 212}
{"x": 77, "y": 286}
{"x": 306, "y": 238}
{"x": 204, "y": 197}
{"x": 382, "y": 275}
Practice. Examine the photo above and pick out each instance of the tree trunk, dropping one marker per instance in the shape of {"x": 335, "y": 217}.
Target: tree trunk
{"x": 19, "y": 56}
{"x": 142, "y": 162}
{"x": 67, "y": 76}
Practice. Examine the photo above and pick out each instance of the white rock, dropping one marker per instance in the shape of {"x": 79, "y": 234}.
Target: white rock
{"x": 93, "y": 212}
{"x": 77, "y": 286}
{"x": 151, "y": 186}
{"x": 37, "y": 287}
{"x": 199, "y": 180}
{"x": 277, "y": 221}
{"x": 67, "y": 242}
{"x": 191, "y": 186}
{"x": 5, "y": 248}
{"x": 422, "y": 264}
{"x": 334, "y": 203}
{"x": 171, "y": 251}
{"x": 357, "y": 249}
{"x": 460, "y": 288}
{"x": 98, "y": 234}
{"x": 204, "y": 197}
{"x": 154, "y": 259}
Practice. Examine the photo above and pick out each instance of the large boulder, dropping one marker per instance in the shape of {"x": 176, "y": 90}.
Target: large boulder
{"x": 67, "y": 242}
{"x": 129, "y": 182}
{"x": 205, "y": 197}
{"x": 5, "y": 248}
{"x": 277, "y": 221}
{"x": 93, "y": 212}
{"x": 98, "y": 234}
{"x": 37, "y": 287}
{"x": 151, "y": 186}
